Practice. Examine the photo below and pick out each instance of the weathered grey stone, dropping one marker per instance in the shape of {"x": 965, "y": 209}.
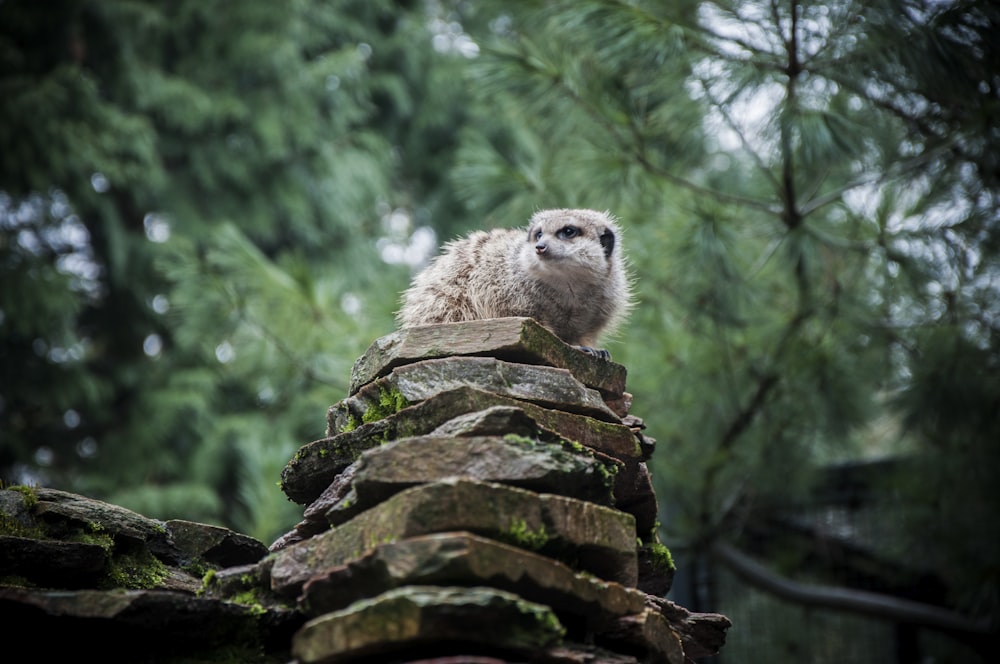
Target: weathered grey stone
{"x": 548, "y": 387}
{"x": 318, "y": 463}
{"x": 492, "y": 421}
{"x": 583, "y": 654}
{"x": 647, "y": 445}
{"x": 415, "y": 615}
{"x": 649, "y": 631}
{"x": 656, "y": 568}
{"x": 601, "y": 540}
{"x": 543, "y": 467}
{"x": 468, "y": 560}
{"x": 218, "y": 546}
{"x": 613, "y": 439}
{"x": 14, "y": 507}
{"x": 444, "y": 425}
{"x": 519, "y": 466}
{"x": 244, "y": 583}
{"x": 635, "y": 494}
{"x": 702, "y": 634}
{"x": 519, "y": 340}
{"x": 61, "y": 511}
{"x": 52, "y": 563}
{"x": 135, "y": 625}
{"x": 567, "y": 653}
{"x": 67, "y": 540}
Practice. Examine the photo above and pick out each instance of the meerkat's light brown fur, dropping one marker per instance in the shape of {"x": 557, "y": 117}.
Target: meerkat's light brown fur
{"x": 566, "y": 270}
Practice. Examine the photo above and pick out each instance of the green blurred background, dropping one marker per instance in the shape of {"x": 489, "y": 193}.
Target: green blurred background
{"x": 208, "y": 210}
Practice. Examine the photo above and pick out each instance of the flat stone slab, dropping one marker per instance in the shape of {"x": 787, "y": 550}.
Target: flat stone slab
{"x": 73, "y": 510}
{"x": 65, "y": 540}
{"x": 516, "y": 459}
{"x": 127, "y": 625}
{"x": 519, "y": 340}
{"x": 386, "y": 470}
{"x": 416, "y": 615}
{"x": 219, "y": 546}
{"x": 53, "y": 563}
{"x": 598, "y": 540}
{"x": 469, "y": 560}
{"x": 492, "y": 421}
{"x": 649, "y": 631}
{"x": 702, "y": 634}
{"x": 612, "y": 438}
{"x": 548, "y": 387}
{"x": 319, "y": 462}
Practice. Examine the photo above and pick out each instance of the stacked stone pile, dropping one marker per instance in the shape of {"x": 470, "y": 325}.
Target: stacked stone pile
{"x": 480, "y": 496}
{"x": 481, "y": 493}
{"x": 81, "y": 579}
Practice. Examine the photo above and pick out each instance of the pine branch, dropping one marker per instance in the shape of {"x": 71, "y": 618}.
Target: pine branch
{"x": 739, "y": 424}
{"x": 898, "y": 170}
{"x": 723, "y": 454}
{"x": 716, "y": 194}
{"x": 721, "y": 107}
{"x": 633, "y": 142}
{"x": 283, "y": 348}
{"x": 791, "y": 215}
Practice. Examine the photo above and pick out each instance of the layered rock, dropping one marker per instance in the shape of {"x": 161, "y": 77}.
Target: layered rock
{"x": 481, "y": 495}
{"x": 80, "y": 577}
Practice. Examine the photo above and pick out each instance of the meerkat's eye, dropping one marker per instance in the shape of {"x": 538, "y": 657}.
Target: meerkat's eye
{"x": 566, "y": 232}
{"x": 538, "y": 235}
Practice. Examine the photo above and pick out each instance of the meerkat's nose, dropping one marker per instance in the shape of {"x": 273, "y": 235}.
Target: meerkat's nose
{"x": 541, "y": 248}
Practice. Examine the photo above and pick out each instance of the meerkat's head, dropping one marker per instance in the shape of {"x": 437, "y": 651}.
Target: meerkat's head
{"x": 570, "y": 245}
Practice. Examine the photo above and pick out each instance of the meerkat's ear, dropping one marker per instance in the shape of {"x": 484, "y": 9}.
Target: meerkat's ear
{"x": 608, "y": 242}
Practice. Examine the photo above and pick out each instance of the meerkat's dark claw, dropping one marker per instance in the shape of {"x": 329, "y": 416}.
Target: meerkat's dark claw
{"x": 597, "y": 352}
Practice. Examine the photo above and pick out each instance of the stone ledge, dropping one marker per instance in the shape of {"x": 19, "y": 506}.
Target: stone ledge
{"x": 599, "y": 540}
{"x": 461, "y": 558}
{"x": 520, "y": 340}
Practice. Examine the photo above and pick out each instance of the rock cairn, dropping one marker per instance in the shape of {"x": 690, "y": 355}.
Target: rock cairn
{"x": 480, "y": 496}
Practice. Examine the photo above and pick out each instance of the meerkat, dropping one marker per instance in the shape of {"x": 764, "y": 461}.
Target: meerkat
{"x": 566, "y": 270}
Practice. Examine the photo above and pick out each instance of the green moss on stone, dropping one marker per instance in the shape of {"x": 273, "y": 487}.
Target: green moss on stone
{"x": 14, "y": 528}
{"x": 390, "y": 402}
{"x": 207, "y": 582}
{"x": 519, "y": 440}
{"x": 520, "y": 535}
{"x": 196, "y": 568}
{"x": 661, "y": 558}
{"x": 250, "y": 599}
{"x": 136, "y": 570}
{"x": 29, "y": 494}
{"x": 550, "y": 623}
{"x": 352, "y": 423}
{"x": 15, "y": 581}
{"x": 94, "y": 534}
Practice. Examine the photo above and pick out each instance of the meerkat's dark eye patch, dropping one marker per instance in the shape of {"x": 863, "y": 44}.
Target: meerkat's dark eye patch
{"x": 608, "y": 242}
{"x": 566, "y": 232}
{"x": 534, "y": 234}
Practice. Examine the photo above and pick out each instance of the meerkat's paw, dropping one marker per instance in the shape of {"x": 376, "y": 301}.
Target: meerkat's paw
{"x": 597, "y": 352}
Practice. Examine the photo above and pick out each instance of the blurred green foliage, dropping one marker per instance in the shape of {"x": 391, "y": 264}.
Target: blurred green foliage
{"x": 208, "y": 209}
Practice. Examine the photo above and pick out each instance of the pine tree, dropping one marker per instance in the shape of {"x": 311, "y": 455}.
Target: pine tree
{"x": 809, "y": 196}
{"x": 193, "y": 199}
{"x": 207, "y": 212}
